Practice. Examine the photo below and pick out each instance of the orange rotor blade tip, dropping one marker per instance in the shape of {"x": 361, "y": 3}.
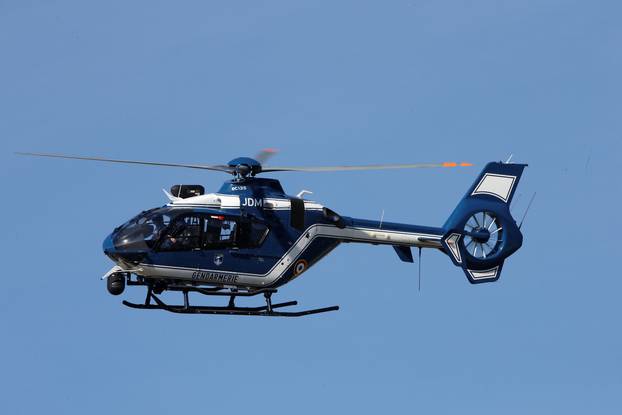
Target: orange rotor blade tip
{"x": 466, "y": 164}
{"x": 270, "y": 150}
{"x": 450, "y": 164}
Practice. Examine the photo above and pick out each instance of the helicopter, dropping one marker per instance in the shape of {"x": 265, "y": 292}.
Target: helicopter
{"x": 250, "y": 238}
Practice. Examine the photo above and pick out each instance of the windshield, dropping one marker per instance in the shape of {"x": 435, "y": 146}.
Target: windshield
{"x": 143, "y": 231}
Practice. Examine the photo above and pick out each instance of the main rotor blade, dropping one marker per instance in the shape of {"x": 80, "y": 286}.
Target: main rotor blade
{"x": 367, "y": 167}
{"x": 225, "y": 169}
{"x": 265, "y": 154}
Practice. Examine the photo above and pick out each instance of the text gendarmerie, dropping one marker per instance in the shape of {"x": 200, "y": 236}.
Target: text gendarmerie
{"x": 215, "y": 277}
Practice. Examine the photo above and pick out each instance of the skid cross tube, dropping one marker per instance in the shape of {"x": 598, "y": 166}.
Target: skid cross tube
{"x": 267, "y": 310}
{"x": 219, "y": 291}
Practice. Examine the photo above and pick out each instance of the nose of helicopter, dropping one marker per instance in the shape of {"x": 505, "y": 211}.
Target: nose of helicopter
{"x": 135, "y": 239}
{"x": 118, "y": 252}
{"x": 108, "y": 245}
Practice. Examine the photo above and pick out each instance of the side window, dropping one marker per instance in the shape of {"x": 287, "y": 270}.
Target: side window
{"x": 183, "y": 235}
{"x": 158, "y": 223}
{"x": 251, "y": 234}
{"x": 225, "y": 232}
{"x": 219, "y": 232}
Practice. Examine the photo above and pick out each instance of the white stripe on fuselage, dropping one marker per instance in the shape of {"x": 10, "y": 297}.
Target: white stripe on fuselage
{"x": 226, "y": 201}
{"x": 355, "y": 234}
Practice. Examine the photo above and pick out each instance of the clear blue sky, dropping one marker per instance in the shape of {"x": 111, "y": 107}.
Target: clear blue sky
{"x": 326, "y": 83}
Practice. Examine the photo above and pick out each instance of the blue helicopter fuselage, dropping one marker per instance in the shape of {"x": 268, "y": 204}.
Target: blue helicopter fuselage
{"x": 248, "y": 235}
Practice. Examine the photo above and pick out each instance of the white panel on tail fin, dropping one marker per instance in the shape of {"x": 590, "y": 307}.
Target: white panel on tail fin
{"x": 484, "y": 275}
{"x": 497, "y": 185}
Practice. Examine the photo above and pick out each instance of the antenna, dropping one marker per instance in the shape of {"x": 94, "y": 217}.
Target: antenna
{"x": 527, "y": 210}
{"x": 419, "y": 269}
{"x": 381, "y": 219}
{"x": 509, "y": 159}
{"x": 515, "y": 202}
{"x": 302, "y": 193}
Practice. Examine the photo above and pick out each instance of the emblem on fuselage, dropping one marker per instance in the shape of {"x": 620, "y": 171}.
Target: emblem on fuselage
{"x": 219, "y": 259}
{"x": 300, "y": 267}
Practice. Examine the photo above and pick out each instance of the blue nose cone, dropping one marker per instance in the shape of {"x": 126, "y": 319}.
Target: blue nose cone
{"x": 108, "y": 245}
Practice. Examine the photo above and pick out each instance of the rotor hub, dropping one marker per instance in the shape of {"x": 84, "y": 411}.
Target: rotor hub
{"x": 244, "y": 167}
{"x": 480, "y": 235}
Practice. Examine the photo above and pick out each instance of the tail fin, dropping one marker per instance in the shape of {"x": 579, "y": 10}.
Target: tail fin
{"x": 481, "y": 233}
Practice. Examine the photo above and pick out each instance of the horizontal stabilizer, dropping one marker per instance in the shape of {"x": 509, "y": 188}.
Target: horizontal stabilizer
{"x": 404, "y": 252}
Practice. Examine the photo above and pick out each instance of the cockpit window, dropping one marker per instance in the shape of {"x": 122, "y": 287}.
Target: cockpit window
{"x": 183, "y": 235}
{"x": 143, "y": 231}
{"x": 205, "y": 231}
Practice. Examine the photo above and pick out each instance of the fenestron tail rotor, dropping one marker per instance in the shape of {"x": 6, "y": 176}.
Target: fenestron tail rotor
{"x": 483, "y": 235}
{"x": 243, "y": 167}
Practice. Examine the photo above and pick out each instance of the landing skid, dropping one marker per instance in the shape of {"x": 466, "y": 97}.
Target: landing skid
{"x": 267, "y": 310}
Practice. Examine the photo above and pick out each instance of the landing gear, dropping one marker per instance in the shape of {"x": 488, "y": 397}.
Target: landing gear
{"x": 231, "y": 309}
{"x": 116, "y": 283}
